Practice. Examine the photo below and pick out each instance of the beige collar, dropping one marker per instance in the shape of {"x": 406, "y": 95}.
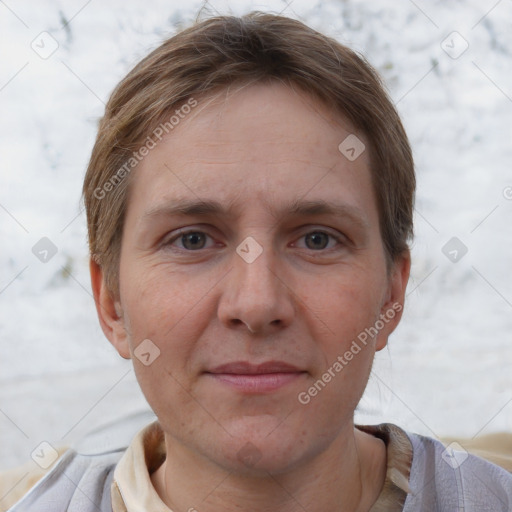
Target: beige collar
{"x": 132, "y": 490}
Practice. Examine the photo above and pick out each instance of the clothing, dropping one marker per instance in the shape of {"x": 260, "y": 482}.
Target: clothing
{"x": 418, "y": 478}
{"x": 496, "y": 448}
{"x": 77, "y": 483}
{"x": 441, "y": 482}
{"x": 132, "y": 489}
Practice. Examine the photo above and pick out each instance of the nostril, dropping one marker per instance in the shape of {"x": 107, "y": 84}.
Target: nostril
{"x": 237, "y": 321}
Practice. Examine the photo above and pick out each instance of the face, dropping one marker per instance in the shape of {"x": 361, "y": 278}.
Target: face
{"x": 252, "y": 261}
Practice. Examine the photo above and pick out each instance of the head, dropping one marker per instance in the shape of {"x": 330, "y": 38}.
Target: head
{"x": 249, "y": 201}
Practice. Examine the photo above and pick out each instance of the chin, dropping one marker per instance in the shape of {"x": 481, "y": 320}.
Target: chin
{"x": 264, "y": 444}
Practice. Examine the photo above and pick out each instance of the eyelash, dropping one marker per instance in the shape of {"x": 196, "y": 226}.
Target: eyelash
{"x": 339, "y": 239}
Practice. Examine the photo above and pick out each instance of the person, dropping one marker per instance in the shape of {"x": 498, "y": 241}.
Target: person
{"x": 249, "y": 206}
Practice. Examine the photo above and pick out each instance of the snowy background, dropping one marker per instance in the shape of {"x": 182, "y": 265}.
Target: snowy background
{"x": 448, "y": 367}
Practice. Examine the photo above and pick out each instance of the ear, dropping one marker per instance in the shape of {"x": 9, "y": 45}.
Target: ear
{"x": 109, "y": 312}
{"x": 393, "y": 307}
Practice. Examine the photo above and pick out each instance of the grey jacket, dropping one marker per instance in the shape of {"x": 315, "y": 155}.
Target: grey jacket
{"x": 454, "y": 483}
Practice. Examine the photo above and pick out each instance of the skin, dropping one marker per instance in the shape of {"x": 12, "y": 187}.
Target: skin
{"x": 303, "y": 301}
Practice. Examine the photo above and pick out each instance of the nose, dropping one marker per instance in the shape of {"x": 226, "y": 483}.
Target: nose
{"x": 256, "y": 296}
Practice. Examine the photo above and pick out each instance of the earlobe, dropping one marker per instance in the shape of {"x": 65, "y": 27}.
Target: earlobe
{"x": 392, "y": 309}
{"x": 109, "y": 311}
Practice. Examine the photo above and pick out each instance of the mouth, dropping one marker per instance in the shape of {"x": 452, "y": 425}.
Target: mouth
{"x": 262, "y": 378}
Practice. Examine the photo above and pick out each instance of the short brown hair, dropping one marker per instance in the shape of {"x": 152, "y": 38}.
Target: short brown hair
{"x": 226, "y": 50}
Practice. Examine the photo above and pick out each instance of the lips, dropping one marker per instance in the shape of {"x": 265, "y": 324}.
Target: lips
{"x": 245, "y": 368}
{"x": 256, "y": 378}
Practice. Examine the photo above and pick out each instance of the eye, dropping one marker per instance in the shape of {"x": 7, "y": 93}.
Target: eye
{"x": 190, "y": 240}
{"x": 320, "y": 240}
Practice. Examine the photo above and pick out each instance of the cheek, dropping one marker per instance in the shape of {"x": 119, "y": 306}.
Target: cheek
{"x": 171, "y": 311}
{"x": 168, "y": 310}
{"x": 341, "y": 310}
{"x": 334, "y": 392}
{"x": 160, "y": 299}
{"x": 346, "y": 304}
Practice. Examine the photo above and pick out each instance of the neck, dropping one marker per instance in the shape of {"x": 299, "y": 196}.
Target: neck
{"x": 348, "y": 476}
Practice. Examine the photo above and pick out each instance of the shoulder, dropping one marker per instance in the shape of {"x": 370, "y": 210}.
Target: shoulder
{"x": 16, "y": 482}
{"x": 76, "y": 482}
{"x": 450, "y": 478}
{"x": 80, "y": 479}
{"x": 496, "y": 447}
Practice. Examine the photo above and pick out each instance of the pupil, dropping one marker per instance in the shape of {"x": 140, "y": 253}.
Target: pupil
{"x": 316, "y": 239}
{"x": 193, "y": 241}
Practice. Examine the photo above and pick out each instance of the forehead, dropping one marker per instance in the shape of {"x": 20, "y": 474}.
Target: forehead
{"x": 263, "y": 144}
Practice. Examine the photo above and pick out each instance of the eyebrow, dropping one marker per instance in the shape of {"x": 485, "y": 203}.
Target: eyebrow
{"x": 297, "y": 208}
{"x": 322, "y": 207}
{"x": 199, "y": 207}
